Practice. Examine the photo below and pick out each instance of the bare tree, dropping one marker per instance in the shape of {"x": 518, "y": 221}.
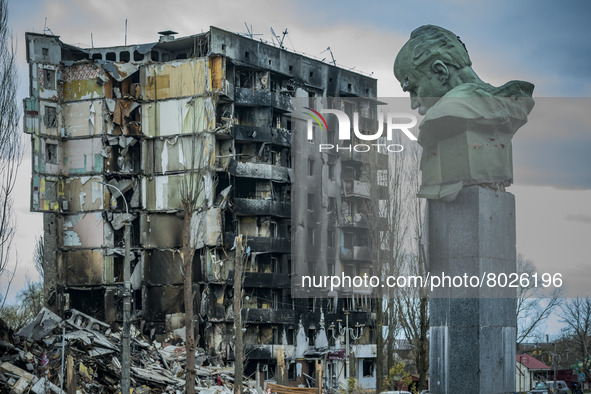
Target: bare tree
{"x": 576, "y": 317}
{"x": 30, "y": 302}
{"x": 194, "y": 202}
{"x": 11, "y": 151}
{"x": 412, "y": 303}
{"x": 533, "y": 307}
{"x": 192, "y": 193}
{"x": 390, "y": 231}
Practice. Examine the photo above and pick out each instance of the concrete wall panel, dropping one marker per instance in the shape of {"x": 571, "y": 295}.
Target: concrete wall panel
{"x": 82, "y": 230}
{"x": 84, "y": 194}
{"x": 181, "y": 116}
{"x": 181, "y": 78}
{"x": 83, "y": 268}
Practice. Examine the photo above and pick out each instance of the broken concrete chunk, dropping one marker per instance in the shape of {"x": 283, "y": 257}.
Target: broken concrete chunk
{"x": 44, "y": 323}
{"x": 16, "y": 371}
{"x": 41, "y": 385}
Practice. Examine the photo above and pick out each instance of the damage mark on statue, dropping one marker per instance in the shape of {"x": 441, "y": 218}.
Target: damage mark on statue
{"x": 468, "y": 125}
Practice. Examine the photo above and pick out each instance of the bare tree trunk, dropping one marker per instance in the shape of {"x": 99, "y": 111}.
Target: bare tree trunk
{"x": 11, "y": 150}
{"x": 238, "y": 343}
{"x": 423, "y": 356}
{"x": 390, "y": 362}
{"x": 381, "y": 361}
{"x": 188, "y": 253}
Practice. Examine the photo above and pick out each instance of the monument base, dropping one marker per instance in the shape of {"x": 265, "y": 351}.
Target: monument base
{"x": 473, "y": 330}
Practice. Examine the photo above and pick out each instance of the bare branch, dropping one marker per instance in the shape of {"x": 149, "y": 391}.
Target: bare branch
{"x": 533, "y": 307}
{"x": 11, "y": 148}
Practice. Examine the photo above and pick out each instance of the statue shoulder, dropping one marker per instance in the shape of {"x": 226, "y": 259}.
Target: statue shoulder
{"x": 472, "y": 101}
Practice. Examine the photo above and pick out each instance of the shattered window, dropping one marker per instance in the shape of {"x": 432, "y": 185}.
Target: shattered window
{"x": 51, "y": 153}
{"x": 332, "y": 204}
{"x": 50, "y": 118}
{"x": 368, "y": 367}
{"x": 331, "y": 171}
{"x": 383, "y": 208}
{"x": 50, "y": 190}
{"x": 348, "y": 240}
{"x": 48, "y": 79}
{"x": 291, "y": 372}
{"x": 382, "y": 177}
{"x": 273, "y": 229}
{"x": 331, "y": 238}
{"x": 310, "y": 236}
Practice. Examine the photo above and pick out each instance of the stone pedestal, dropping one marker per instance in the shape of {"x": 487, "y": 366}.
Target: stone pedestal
{"x": 473, "y": 330}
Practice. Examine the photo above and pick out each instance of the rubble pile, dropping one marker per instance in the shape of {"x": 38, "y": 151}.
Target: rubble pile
{"x": 88, "y": 352}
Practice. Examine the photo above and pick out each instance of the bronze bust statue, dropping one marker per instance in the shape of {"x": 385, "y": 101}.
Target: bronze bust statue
{"x": 468, "y": 125}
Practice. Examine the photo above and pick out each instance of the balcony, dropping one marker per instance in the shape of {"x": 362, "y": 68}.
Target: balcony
{"x": 269, "y": 244}
{"x": 276, "y": 316}
{"x": 359, "y": 220}
{"x": 266, "y": 280}
{"x": 268, "y": 352}
{"x": 353, "y": 155}
{"x": 226, "y": 89}
{"x": 249, "y": 207}
{"x": 359, "y": 253}
{"x": 262, "y": 280}
{"x": 356, "y": 189}
{"x": 252, "y": 97}
{"x": 281, "y": 137}
{"x": 281, "y": 101}
{"x": 259, "y": 171}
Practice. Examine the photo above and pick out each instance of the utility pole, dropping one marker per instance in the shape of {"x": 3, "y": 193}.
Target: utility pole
{"x": 347, "y": 350}
{"x": 238, "y": 343}
{"x": 126, "y": 337}
{"x": 126, "y": 334}
{"x": 348, "y": 333}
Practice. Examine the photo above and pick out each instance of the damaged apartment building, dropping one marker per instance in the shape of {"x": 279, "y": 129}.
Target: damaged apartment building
{"x": 140, "y": 118}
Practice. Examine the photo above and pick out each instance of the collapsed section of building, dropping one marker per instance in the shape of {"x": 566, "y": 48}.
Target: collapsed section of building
{"x": 142, "y": 119}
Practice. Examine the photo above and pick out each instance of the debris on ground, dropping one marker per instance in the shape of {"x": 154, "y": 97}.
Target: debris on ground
{"x": 82, "y": 355}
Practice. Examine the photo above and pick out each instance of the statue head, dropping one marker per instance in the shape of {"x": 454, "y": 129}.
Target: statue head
{"x": 431, "y": 63}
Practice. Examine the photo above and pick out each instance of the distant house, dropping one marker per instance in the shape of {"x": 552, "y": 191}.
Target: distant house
{"x": 528, "y": 371}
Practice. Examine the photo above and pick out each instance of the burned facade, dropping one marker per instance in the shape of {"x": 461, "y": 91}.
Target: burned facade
{"x": 141, "y": 118}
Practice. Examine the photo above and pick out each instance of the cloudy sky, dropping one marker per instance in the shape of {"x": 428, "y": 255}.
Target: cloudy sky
{"x": 544, "y": 42}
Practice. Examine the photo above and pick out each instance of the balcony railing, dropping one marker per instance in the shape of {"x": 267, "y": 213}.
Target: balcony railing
{"x": 259, "y": 170}
{"x": 360, "y": 253}
{"x": 252, "y": 97}
{"x": 356, "y": 189}
{"x": 281, "y": 137}
{"x": 248, "y": 207}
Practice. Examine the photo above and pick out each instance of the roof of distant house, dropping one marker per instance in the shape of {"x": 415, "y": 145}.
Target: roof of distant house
{"x": 531, "y": 363}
